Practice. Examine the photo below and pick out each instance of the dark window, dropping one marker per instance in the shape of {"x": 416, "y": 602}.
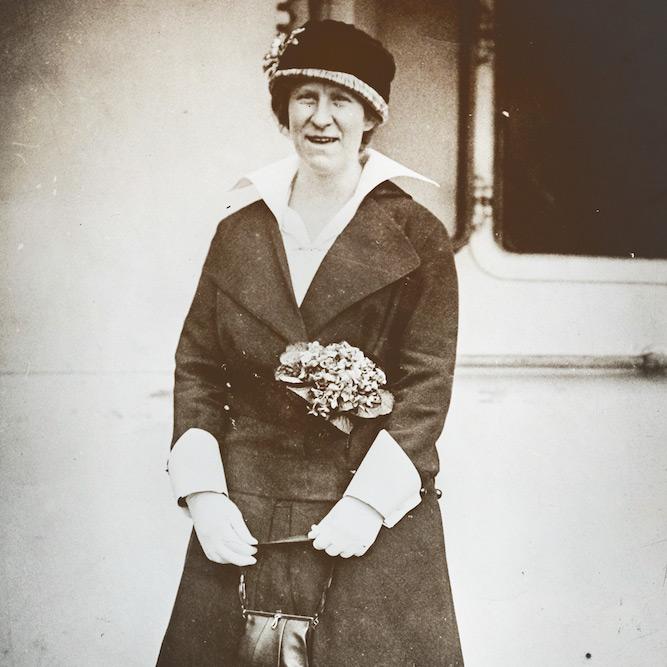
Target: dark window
{"x": 582, "y": 118}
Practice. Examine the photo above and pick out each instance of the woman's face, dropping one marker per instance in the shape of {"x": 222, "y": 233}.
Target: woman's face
{"x": 326, "y": 124}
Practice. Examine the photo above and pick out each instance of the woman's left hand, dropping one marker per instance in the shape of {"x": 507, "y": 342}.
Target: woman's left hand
{"x": 349, "y": 529}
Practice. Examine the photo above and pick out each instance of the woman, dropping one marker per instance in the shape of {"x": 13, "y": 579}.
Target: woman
{"x": 326, "y": 249}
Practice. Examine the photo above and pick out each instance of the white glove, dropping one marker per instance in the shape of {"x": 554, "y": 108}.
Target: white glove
{"x": 220, "y": 528}
{"x": 349, "y": 529}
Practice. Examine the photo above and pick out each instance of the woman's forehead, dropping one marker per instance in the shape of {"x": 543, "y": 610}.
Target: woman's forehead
{"x": 319, "y": 86}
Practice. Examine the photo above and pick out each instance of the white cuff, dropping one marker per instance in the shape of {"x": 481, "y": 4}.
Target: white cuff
{"x": 387, "y": 480}
{"x": 195, "y": 465}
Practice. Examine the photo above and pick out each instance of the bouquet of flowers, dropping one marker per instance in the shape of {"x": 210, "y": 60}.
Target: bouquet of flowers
{"x": 337, "y": 380}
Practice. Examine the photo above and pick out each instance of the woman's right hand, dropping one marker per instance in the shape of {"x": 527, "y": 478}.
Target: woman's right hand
{"x": 220, "y": 528}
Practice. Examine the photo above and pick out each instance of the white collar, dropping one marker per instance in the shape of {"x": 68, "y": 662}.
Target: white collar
{"x": 272, "y": 183}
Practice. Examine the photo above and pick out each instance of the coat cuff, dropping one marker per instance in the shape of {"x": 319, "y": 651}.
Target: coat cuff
{"x": 387, "y": 480}
{"x": 195, "y": 465}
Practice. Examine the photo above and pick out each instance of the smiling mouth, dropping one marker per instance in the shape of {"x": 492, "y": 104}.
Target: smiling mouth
{"x": 321, "y": 140}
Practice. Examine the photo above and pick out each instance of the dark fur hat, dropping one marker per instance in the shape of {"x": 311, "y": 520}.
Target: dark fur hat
{"x": 337, "y": 52}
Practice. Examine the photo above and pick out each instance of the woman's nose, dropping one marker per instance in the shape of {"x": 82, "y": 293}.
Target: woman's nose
{"x": 322, "y": 114}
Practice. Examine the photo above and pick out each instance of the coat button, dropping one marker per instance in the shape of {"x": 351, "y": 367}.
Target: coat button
{"x": 422, "y": 492}
{"x": 438, "y": 494}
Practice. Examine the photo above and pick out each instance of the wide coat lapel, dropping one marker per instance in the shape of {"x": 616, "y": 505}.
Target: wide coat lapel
{"x": 370, "y": 253}
{"x": 251, "y": 268}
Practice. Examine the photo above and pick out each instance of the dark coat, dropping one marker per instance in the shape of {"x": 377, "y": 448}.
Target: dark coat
{"x": 388, "y": 286}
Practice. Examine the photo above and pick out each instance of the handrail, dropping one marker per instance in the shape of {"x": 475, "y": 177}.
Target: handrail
{"x": 648, "y": 363}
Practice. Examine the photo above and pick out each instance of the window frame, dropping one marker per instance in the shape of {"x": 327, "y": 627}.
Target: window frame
{"x": 482, "y": 222}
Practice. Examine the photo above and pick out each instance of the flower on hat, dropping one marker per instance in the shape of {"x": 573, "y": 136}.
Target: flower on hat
{"x": 276, "y": 50}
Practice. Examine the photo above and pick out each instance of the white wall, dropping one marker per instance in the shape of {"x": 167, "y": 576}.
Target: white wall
{"x": 123, "y": 124}
{"x": 555, "y": 500}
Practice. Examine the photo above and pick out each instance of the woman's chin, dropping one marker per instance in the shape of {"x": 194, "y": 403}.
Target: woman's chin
{"x": 322, "y": 164}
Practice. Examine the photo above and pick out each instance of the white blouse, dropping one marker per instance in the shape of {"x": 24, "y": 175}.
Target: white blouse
{"x": 386, "y": 478}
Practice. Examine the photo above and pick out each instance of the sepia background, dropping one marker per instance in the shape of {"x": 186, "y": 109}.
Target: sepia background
{"x": 123, "y": 125}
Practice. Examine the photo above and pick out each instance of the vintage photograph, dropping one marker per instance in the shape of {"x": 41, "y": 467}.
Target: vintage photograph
{"x": 333, "y": 333}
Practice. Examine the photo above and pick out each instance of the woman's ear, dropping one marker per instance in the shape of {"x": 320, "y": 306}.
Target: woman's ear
{"x": 370, "y": 123}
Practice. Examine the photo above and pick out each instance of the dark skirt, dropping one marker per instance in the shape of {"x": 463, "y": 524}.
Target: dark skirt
{"x": 391, "y": 607}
